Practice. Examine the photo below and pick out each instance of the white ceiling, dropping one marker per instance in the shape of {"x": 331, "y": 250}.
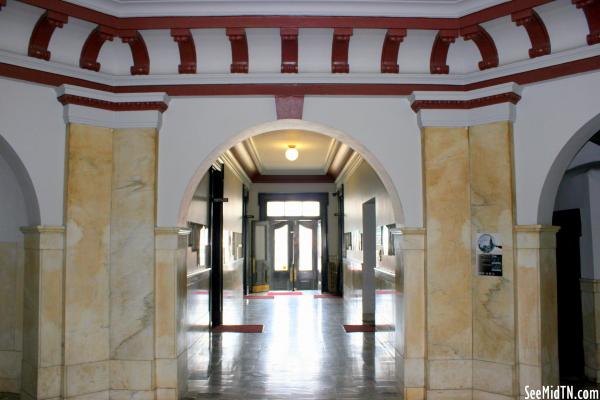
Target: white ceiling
{"x": 386, "y": 8}
{"x": 315, "y": 153}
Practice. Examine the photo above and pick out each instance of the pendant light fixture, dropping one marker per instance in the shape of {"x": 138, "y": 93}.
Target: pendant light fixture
{"x": 291, "y": 153}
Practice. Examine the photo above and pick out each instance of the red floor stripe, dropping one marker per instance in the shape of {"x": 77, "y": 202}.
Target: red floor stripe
{"x": 326, "y": 296}
{"x": 284, "y": 294}
{"x": 238, "y": 328}
{"x": 200, "y": 292}
{"x": 359, "y": 328}
{"x": 385, "y": 291}
{"x": 257, "y": 296}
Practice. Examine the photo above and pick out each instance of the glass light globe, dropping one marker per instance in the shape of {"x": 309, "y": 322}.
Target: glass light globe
{"x": 291, "y": 153}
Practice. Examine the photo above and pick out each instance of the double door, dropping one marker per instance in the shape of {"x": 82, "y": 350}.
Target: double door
{"x": 296, "y": 254}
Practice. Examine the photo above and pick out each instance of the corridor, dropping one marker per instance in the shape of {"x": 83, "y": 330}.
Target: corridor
{"x": 303, "y": 352}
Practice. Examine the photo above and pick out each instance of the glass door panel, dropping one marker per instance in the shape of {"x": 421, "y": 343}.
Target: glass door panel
{"x": 281, "y": 271}
{"x": 307, "y": 255}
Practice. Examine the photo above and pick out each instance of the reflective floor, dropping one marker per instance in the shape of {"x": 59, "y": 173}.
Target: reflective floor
{"x": 303, "y": 353}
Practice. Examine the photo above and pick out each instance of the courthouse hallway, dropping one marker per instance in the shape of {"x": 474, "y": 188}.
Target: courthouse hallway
{"x": 303, "y": 352}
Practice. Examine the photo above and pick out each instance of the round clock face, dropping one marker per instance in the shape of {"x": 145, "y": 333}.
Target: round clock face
{"x": 486, "y": 243}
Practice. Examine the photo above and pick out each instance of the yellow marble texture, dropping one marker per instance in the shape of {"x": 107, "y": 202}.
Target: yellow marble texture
{"x": 449, "y": 272}
{"x": 11, "y": 310}
{"x": 87, "y": 291}
{"x": 536, "y": 305}
{"x": 132, "y": 222}
{"x": 590, "y": 301}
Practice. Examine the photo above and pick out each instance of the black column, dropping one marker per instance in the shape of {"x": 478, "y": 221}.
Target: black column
{"x": 216, "y": 245}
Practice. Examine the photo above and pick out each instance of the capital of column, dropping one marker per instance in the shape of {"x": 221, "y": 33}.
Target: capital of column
{"x": 474, "y": 107}
{"x": 112, "y": 110}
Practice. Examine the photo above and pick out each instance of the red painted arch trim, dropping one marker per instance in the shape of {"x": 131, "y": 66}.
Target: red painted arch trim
{"x": 536, "y": 30}
{"x": 508, "y": 97}
{"x": 2, "y": 4}
{"x": 113, "y": 106}
{"x": 439, "y": 52}
{"x": 187, "y": 50}
{"x": 289, "y": 107}
{"x": 389, "y": 52}
{"x": 239, "y": 50}
{"x": 339, "y": 50}
{"x": 93, "y": 44}
{"x": 139, "y": 52}
{"x": 259, "y": 178}
{"x": 277, "y": 21}
{"x": 485, "y": 44}
{"x": 289, "y": 50}
{"x": 42, "y": 33}
{"x": 591, "y": 8}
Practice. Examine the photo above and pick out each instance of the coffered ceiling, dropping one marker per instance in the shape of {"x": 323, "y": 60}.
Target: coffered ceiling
{"x": 321, "y": 158}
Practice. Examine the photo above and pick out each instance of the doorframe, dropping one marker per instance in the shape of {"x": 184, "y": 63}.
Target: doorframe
{"x": 323, "y": 199}
{"x": 216, "y": 192}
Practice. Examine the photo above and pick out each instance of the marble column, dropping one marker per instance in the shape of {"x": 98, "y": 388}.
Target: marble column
{"x": 171, "y": 317}
{"x": 536, "y": 306}
{"x": 42, "y": 365}
{"x": 448, "y": 263}
{"x": 590, "y": 302}
{"x": 369, "y": 262}
{"x": 87, "y": 265}
{"x": 413, "y": 264}
{"x": 132, "y": 263}
{"x": 492, "y": 211}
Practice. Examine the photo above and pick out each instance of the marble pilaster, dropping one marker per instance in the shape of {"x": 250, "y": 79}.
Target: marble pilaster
{"x": 171, "y": 314}
{"x": 492, "y": 211}
{"x": 590, "y": 302}
{"x": 413, "y": 263}
{"x": 132, "y": 261}
{"x": 42, "y": 365}
{"x": 87, "y": 266}
{"x": 536, "y": 306}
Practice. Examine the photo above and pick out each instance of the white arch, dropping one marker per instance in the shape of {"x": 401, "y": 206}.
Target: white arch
{"x": 294, "y": 124}
{"x": 559, "y": 167}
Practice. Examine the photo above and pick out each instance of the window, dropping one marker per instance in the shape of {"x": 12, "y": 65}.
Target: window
{"x": 281, "y": 248}
{"x": 305, "y": 249}
{"x": 293, "y": 208}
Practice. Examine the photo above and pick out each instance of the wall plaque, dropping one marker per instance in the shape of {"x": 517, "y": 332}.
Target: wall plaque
{"x": 489, "y": 254}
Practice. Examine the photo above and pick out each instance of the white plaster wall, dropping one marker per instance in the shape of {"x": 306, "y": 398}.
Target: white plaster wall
{"x": 31, "y": 122}
{"x": 13, "y": 213}
{"x": 196, "y": 130}
{"x": 232, "y": 209}
{"x": 554, "y": 120}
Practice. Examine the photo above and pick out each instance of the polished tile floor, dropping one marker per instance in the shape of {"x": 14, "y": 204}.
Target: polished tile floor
{"x": 303, "y": 353}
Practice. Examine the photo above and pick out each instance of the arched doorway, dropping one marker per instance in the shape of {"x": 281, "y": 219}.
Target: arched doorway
{"x": 19, "y": 208}
{"x": 212, "y": 355}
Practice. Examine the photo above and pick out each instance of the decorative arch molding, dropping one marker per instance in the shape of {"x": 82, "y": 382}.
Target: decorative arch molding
{"x": 389, "y": 53}
{"x": 26, "y": 184}
{"x": 187, "y": 50}
{"x": 298, "y": 125}
{"x": 536, "y": 30}
{"x": 93, "y": 45}
{"x": 591, "y": 8}
{"x": 42, "y": 33}
{"x": 139, "y": 52}
{"x": 485, "y": 44}
{"x": 439, "y": 52}
{"x": 559, "y": 167}
{"x": 239, "y": 50}
{"x": 289, "y": 50}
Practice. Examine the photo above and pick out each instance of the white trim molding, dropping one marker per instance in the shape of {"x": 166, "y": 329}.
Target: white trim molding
{"x": 475, "y": 107}
{"x": 112, "y": 110}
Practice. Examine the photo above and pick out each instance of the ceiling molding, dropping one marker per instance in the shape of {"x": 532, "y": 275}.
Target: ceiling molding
{"x": 351, "y": 166}
{"x": 293, "y": 179}
{"x": 238, "y": 170}
{"x": 334, "y": 146}
{"x": 251, "y": 147}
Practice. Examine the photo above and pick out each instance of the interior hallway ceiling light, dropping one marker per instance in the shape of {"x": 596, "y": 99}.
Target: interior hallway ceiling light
{"x": 291, "y": 153}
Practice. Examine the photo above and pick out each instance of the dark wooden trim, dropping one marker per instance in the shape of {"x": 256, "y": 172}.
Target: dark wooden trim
{"x": 113, "y": 106}
{"x": 93, "y": 44}
{"x": 339, "y": 50}
{"x": 259, "y": 178}
{"x": 42, "y": 33}
{"x": 509, "y": 97}
{"x": 527, "y": 77}
{"x": 439, "y": 51}
{"x": 536, "y": 30}
{"x": 485, "y": 44}
{"x": 139, "y": 52}
{"x": 187, "y": 50}
{"x": 239, "y": 50}
{"x": 591, "y": 8}
{"x": 289, "y": 107}
{"x": 289, "y": 50}
{"x": 278, "y": 21}
{"x": 216, "y": 177}
{"x": 389, "y": 52}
